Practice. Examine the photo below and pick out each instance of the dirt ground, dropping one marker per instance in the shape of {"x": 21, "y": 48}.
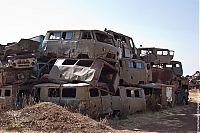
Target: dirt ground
{"x": 48, "y": 117}
{"x": 176, "y": 119}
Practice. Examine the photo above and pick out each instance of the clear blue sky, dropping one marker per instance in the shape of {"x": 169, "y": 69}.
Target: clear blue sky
{"x": 172, "y": 24}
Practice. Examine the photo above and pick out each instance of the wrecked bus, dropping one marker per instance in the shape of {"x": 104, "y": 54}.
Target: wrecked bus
{"x": 79, "y": 44}
{"x": 93, "y": 101}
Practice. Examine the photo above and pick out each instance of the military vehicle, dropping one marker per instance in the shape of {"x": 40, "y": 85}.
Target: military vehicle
{"x": 156, "y": 55}
{"x": 175, "y": 66}
{"x": 80, "y": 44}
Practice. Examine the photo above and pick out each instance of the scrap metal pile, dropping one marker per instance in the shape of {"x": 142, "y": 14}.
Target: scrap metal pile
{"x": 97, "y": 72}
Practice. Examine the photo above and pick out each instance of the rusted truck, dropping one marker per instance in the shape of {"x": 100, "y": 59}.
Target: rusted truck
{"x": 156, "y": 55}
{"x": 80, "y": 44}
{"x": 128, "y": 100}
{"x": 159, "y": 95}
{"x": 175, "y": 66}
{"x": 93, "y": 101}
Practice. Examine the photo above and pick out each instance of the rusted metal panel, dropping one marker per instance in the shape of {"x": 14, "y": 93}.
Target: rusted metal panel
{"x": 21, "y": 46}
{"x": 160, "y": 75}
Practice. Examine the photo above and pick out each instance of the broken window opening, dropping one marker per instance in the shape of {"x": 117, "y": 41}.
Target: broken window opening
{"x": 94, "y": 92}
{"x": 86, "y": 35}
{"x": 168, "y": 66}
{"x": 69, "y": 62}
{"x": 67, "y": 35}
{"x": 165, "y": 52}
{"x": 148, "y": 91}
{"x": 103, "y": 93}
{"x": 117, "y": 93}
{"x": 7, "y": 93}
{"x": 85, "y": 63}
{"x": 53, "y": 92}
{"x": 128, "y": 93}
{"x": 137, "y": 94}
{"x": 106, "y": 75}
{"x": 104, "y": 38}
{"x": 69, "y": 92}
{"x": 54, "y": 35}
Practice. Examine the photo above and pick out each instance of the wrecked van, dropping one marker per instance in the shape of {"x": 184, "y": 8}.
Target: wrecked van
{"x": 156, "y": 55}
{"x": 79, "y": 44}
{"x": 82, "y": 96}
{"x": 132, "y": 71}
{"x": 128, "y": 100}
{"x": 96, "y": 72}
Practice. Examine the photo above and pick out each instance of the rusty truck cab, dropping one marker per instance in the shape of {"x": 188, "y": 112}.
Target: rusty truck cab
{"x": 175, "y": 66}
{"x": 79, "y": 44}
{"x": 156, "y": 55}
{"x": 132, "y": 71}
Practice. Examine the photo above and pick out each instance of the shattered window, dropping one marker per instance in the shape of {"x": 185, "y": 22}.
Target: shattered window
{"x": 69, "y": 92}
{"x": 103, "y": 93}
{"x": 7, "y": 93}
{"x": 104, "y": 38}
{"x": 169, "y": 66}
{"x": 55, "y": 35}
{"x": 94, "y": 92}
{"x": 128, "y": 93}
{"x": 85, "y": 63}
{"x": 53, "y": 92}
{"x": 67, "y": 35}
{"x": 86, "y": 35}
{"x": 69, "y": 62}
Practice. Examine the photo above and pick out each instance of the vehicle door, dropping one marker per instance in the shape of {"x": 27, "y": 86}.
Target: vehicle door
{"x": 106, "y": 102}
{"x": 85, "y": 46}
{"x": 52, "y": 42}
{"x": 95, "y": 102}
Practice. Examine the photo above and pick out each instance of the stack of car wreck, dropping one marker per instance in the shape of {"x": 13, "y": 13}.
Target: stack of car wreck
{"x": 97, "y": 72}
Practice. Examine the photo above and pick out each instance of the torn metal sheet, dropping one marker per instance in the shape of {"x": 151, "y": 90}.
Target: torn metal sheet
{"x": 95, "y": 72}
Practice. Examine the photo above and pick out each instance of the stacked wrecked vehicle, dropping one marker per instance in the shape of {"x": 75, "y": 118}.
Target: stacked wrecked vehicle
{"x": 95, "y": 72}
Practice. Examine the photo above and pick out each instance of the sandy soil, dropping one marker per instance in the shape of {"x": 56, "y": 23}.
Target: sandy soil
{"x": 176, "y": 119}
